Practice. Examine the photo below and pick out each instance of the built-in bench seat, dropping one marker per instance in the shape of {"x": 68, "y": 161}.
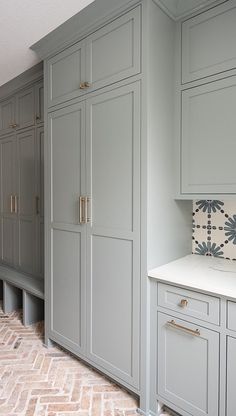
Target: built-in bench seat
{"x": 22, "y": 290}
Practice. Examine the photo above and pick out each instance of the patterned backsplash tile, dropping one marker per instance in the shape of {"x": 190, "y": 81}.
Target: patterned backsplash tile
{"x": 214, "y": 228}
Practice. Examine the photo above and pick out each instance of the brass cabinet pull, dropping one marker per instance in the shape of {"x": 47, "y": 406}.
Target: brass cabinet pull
{"x": 37, "y": 210}
{"x": 11, "y": 126}
{"x": 15, "y": 204}
{"x": 84, "y": 85}
{"x": 82, "y": 219}
{"x": 87, "y": 218}
{"x": 184, "y": 303}
{"x": 173, "y": 324}
{"x": 11, "y": 204}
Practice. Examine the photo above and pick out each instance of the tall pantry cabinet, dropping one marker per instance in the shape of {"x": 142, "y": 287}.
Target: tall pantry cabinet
{"x": 108, "y": 181}
{"x": 21, "y": 187}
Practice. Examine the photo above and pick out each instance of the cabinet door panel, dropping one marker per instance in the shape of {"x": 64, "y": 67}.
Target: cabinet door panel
{"x": 25, "y": 111}
{"x": 188, "y": 367}
{"x": 113, "y": 52}
{"x": 39, "y": 102}
{"x": 208, "y": 143}
{"x": 67, "y": 286}
{"x": 208, "y": 45}
{"x": 8, "y": 189}
{"x": 65, "y": 73}
{"x": 231, "y": 376}
{"x": 113, "y": 160}
{"x": 66, "y": 129}
{"x": 7, "y": 115}
{"x": 26, "y": 151}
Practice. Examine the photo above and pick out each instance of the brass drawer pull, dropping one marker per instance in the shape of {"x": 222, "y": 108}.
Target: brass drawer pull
{"x": 11, "y": 204}
{"x": 183, "y": 303}
{"x": 84, "y": 85}
{"x": 173, "y": 324}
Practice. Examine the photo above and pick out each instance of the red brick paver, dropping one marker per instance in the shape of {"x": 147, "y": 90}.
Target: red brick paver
{"x": 35, "y": 381}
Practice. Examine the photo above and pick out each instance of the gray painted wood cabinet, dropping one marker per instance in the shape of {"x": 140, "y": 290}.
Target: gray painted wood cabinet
{"x": 21, "y": 148}
{"x": 94, "y": 63}
{"x": 188, "y": 360}
{"x": 206, "y": 80}
{"x": 113, "y": 236}
{"x": 7, "y": 115}
{"x": 109, "y": 182}
{"x": 68, "y": 296}
{"x": 231, "y": 376}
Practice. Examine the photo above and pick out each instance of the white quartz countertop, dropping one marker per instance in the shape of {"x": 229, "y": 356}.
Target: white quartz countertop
{"x": 209, "y": 274}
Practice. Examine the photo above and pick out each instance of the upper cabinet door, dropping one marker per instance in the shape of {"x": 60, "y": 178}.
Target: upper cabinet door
{"x": 39, "y": 103}
{"x": 25, "y": 112}
{"x": 208, "y": 145}
{"x": 7, "y": 115}
{"x": 66, "y": 73}
{"x": 208, "y": 43}
{"x": 113, "y": 52}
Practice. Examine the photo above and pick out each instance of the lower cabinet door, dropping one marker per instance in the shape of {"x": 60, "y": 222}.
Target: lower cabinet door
{"x": 188, "y": 366}
{"x": 231, "y": 376}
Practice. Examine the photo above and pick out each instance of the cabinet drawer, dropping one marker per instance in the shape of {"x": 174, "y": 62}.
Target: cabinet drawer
{"x": 188, "y": 303}
{"x": 208, "y": 43}
{"x": 231, "y": 316}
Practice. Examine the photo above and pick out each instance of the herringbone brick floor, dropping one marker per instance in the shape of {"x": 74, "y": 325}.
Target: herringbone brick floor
{"x": 35, "y": 381}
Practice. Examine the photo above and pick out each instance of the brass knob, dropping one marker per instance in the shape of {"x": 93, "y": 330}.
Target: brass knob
{"x": 183, "y": 303}
{"x": 84, "y": 85}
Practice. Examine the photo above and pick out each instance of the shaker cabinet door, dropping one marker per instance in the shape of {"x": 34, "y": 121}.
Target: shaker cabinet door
{"x": 7, "y": 115}
{"x": 231, "y": 376}
{"x": 208, "y": 144}
{"x": 113, "y": 52}
{"x": 26, "y": 200}
{"x": 66, "y": 179}
{"x": 25, "y": 108}
{"x": 188, "y": 366}
{"x": 66, "y": 71}
{"x": 113, "y": 245}
{"x": 8, "y": 208}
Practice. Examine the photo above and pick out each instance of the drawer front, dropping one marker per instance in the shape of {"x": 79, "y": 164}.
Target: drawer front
{"x": 208, "y": 43}
{"x": 66, "y": 72}
{"x": 189, "y": 303}
{"x": 231, "y": 316}
{"x": 113, "y": 52}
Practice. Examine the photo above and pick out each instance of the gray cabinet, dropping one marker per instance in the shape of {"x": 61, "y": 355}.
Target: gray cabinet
{"x": 94, "y": 62}
{"x": 208, "y": 45}
{"x": 113, "y": 237}
{"x": 25, "y": 108}
{"x": 21, "y": 163}
{"x": 26, "y": 177}
{"x": 68, "y": 257}
{"x": 7, "y": 115}
{"x": 188, "y": 365}
{"x": 39, "y": 103}
{"x": 231, "y": 376}
{"x": 8, "y": 200}
{"x": 103, "y": 64}
{"x": 95, "y": 263}
{"x": 66, "y": 72}
{"x": 208, "y": 141}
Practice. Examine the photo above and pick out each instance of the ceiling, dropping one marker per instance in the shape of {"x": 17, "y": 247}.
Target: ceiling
{"x": 24, "y": 22}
